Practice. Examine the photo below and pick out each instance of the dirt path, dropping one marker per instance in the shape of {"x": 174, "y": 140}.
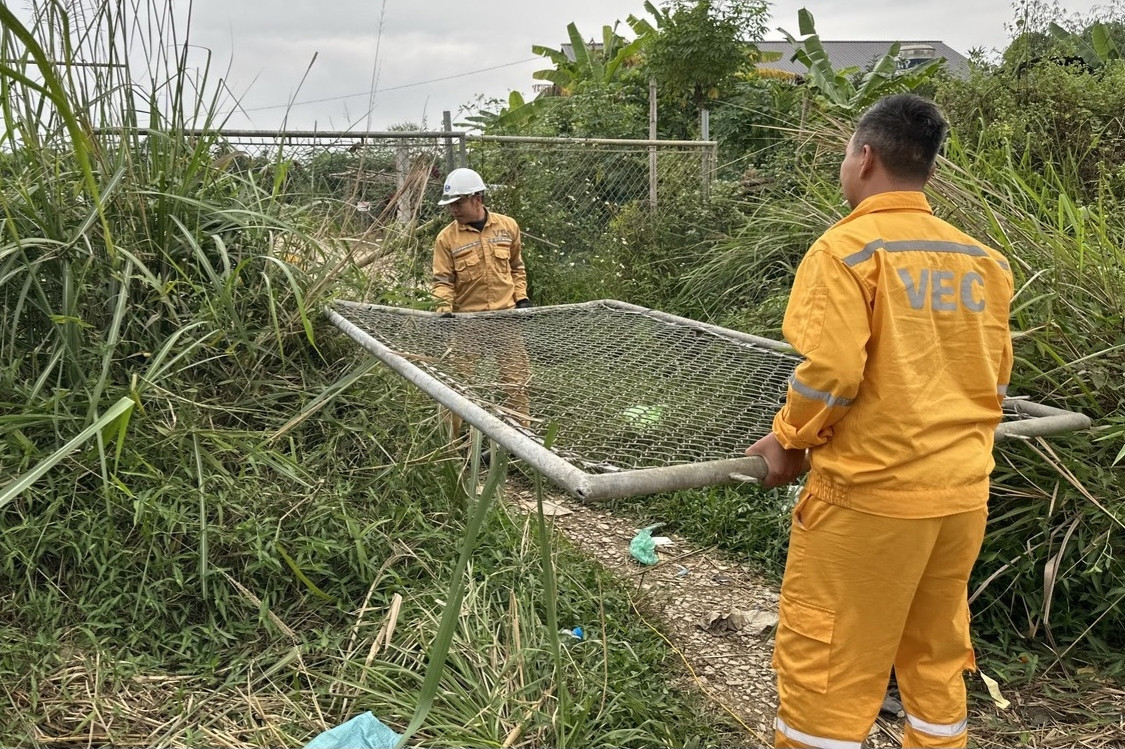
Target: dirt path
{"x": 694, "y": 593}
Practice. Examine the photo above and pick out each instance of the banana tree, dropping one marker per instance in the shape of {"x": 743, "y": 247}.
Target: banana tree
{"x": 1099, "y": 50}
{"x": 591, "y": 63}
{"x": 836, "y": 86}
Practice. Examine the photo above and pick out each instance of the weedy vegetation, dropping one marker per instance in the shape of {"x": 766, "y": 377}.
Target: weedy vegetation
{"x": 223, "y": 524}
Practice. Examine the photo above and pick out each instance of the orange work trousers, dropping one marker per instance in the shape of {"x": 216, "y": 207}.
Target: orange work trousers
{"x": 490, "y": 356}
{"x": 861, "y": 593}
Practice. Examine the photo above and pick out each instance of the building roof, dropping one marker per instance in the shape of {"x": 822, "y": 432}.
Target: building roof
{"x": 860, "y": 55}
{"x": 842, "y": 54}
{"x": 568, "y": 49}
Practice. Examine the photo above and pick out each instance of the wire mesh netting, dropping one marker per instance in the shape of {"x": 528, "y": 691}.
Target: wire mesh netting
{"x": 381, "y": 176}
{"x": 624, "y": 389}
{"x": 565, "y": 189}
{"x": 570, "y": 196}
{"x": 565, "y": 192}
{"x": 632, "y": 400}
{"x": 596, "y": 176}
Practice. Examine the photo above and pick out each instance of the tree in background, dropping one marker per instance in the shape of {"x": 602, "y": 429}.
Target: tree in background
{"x": 591, "y": 67}
{"x": 588, "y": 62}
{"x": 699, "y": 47}
{"x": 836, "y": 88}
{"x": 692, "y": 50}
{"x": 1053, "y": 104}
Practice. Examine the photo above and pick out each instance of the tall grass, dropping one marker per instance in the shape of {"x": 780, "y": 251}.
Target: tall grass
{"x": 273, "y": 529}
{"x": 1053, "y": 560}
{"x": 1051, "y": 577}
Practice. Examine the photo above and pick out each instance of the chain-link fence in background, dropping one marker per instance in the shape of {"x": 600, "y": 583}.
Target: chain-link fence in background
{"x": 565, "y": 192}
{"x": 377, "y": 177}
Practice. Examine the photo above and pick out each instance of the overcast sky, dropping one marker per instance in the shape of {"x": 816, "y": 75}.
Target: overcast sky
{"x": 424, "y": 56}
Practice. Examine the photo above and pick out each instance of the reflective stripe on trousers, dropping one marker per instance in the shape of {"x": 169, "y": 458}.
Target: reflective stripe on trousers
{"x": 937, "y": 729}
{"x": 918, "y": 733}
{"x": 787, "y": 736}
{"x": 923, "y": 734}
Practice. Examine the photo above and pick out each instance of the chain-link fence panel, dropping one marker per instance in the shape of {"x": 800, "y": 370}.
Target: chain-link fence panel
{"x": 566, "y": 192}
{"x": 622, "y": 388}
{"x": 380, "y": 176}
{"x": 632, "y": 401}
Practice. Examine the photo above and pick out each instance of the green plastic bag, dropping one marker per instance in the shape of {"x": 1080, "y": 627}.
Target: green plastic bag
{"x": 643, "y": 547}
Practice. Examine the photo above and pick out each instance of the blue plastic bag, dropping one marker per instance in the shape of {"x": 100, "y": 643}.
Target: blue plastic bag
{"x": 361, "y": 732}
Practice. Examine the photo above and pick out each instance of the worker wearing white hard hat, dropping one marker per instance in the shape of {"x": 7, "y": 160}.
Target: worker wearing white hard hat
{"x": 478, "y": 267}
{"x": 478, "y": 263}
{"x": 459, "y": 183}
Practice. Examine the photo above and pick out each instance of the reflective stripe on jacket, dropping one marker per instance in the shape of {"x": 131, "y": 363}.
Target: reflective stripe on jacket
{"x": 479, "y": 270}
{"x": 902, "y": 321}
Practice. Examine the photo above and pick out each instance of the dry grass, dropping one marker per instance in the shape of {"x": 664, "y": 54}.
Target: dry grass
{"x": 90, "y": 702}
{"x": 85, "y": 703}
{"x": 1080, "y": 712}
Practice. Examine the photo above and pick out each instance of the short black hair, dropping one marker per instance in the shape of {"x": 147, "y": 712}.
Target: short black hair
{"x": 906, "y": 132}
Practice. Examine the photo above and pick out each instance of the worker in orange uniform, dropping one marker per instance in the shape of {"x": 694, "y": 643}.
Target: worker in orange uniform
{"x": 902, "y": 322}
{"x": 478, "y": 263}
{"x": 478, "y": 266}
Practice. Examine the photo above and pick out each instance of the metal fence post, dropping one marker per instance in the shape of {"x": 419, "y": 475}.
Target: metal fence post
{"x": 447, "y": 126}
{"x": 652, "y": 137}
{"x": 402, "y": 167}
{"x": 705, "y": 153}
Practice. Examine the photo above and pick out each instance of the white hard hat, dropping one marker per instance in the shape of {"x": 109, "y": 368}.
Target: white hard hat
{"x": 459, "y": 183}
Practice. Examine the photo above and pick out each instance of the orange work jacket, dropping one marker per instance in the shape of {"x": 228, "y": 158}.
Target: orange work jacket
{"x": 479, "y": 270}
{"x": 902, "y": 321}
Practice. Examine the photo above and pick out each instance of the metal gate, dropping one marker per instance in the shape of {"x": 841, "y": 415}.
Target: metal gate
{"x": 632, "y": 401}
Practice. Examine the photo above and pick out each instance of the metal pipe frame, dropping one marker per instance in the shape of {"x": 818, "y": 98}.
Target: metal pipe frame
{"x": 406, "y": 134}
{"x": 1039, "y": 420}
{"x": 320, "y": 134}
{"x": 592, "y": 141}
